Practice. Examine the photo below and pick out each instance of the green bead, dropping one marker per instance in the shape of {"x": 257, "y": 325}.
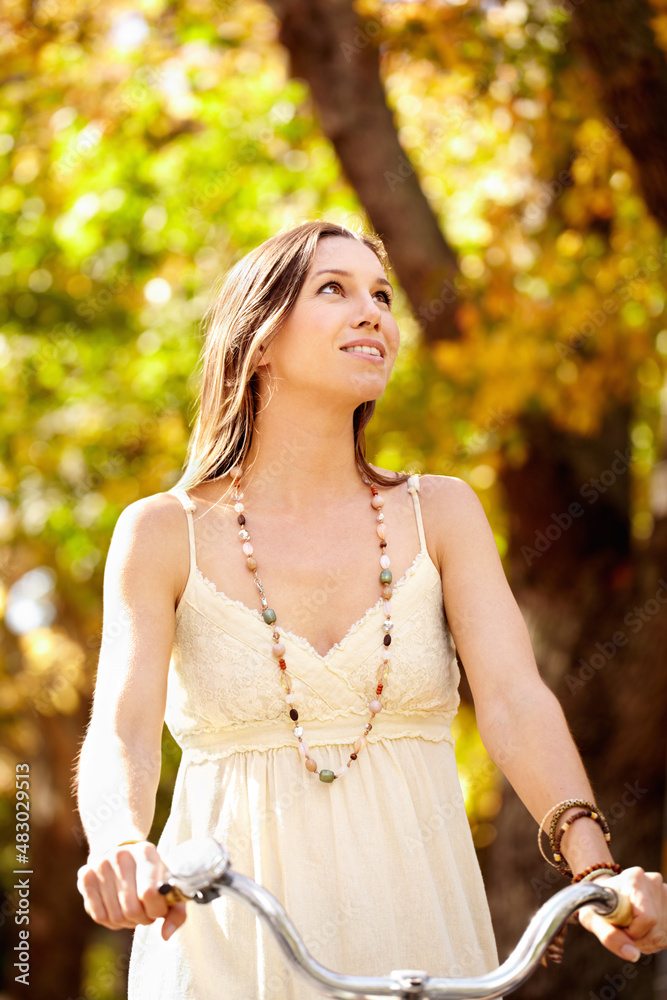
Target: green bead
{"x": 327, "y": 776}
{"x": 385, "y": 576}
{"x": 269, "y": 616}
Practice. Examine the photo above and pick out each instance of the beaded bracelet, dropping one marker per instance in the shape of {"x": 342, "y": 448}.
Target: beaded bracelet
{"x": 600, "y": 868}
{"x": 571, "y": 802}
{"x": 559, "y": 809}
{"x": 593, "y": 813}
{"x": 558, "y": 857}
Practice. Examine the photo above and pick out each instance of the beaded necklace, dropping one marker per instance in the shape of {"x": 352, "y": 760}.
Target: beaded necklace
{"x": 269, "y": 616}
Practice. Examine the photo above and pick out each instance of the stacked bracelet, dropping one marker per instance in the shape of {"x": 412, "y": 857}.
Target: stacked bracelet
{"x": 595, "y": 871}
{"x": 578, "y": 802}
{"x": 585, "y": 814}
{"x": 590, "y": 812}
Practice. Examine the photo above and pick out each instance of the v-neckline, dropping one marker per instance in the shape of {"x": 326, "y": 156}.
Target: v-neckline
{"x": 300, "y": 640}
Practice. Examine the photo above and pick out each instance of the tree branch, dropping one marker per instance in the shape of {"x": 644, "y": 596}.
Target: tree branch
{"x": 338, "y": 57}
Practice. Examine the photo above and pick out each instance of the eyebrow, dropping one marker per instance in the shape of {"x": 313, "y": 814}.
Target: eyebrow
{"x": 348, "y": 274}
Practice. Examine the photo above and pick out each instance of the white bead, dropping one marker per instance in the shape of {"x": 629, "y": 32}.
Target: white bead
{"x": 385, "y": 562}
{"x": 244, "y": 535}
{"x": 239, "y": 508}
{"x": 298, "y": 730}
{"x": 289, "y": 698}
{"x": 343, "y": 770}
{"x": 380, "y": 517}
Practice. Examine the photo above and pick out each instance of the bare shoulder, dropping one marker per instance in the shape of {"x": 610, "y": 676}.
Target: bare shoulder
{"x": 453, "y": 515}
{"x": 151, "y": 515}
{"x": 151, "y": 536}
{"x": 450, "y": 490}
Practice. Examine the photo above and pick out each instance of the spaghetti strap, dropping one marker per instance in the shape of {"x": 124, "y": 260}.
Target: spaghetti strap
{"x": 413, "y": 488}
{"x": 188, "y": 507}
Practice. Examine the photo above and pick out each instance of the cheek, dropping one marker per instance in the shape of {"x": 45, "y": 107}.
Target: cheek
{"x": 394, "y": 337}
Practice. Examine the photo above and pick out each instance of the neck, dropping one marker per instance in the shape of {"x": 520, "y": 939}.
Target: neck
{"x": 300, "y": 464}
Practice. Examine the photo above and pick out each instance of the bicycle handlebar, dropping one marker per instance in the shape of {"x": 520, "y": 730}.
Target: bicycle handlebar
{"x": 201, "y": 872}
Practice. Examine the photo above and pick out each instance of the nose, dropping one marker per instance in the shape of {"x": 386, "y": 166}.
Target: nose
{"x": 369, "y": 313}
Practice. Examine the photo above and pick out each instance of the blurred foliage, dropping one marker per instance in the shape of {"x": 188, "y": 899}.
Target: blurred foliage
{"x": 144, "y": 148}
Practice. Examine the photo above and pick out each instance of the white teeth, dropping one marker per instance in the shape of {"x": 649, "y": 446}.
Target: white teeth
{"x": 363, "y": 349}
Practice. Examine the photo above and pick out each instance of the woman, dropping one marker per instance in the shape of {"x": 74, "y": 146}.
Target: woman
{"x": 319, "y": 752}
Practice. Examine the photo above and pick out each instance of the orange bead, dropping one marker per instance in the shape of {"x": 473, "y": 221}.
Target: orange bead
{"x": 311, "y": 765}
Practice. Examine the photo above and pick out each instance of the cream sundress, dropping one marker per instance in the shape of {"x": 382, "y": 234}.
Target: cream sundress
{"x": 377, "y": 870}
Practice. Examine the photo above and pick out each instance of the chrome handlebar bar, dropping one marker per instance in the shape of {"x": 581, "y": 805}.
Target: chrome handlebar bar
{"x": 200, "y": 870}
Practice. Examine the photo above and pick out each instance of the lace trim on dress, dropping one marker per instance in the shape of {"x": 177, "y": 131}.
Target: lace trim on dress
{"x": 299, "y": 640}
{"x": 229, "y": 600}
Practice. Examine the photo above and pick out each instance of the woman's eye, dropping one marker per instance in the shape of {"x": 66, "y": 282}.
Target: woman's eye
{"x": 335, "y": 284}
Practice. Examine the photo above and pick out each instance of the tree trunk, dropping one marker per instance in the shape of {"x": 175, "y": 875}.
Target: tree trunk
{"x": 337, "y": 55}
{"x": 596, "y": 608}
{"x": 617, "y": 39}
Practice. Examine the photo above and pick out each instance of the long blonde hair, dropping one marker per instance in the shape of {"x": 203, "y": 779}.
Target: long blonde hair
{"x": 245, "y": 314}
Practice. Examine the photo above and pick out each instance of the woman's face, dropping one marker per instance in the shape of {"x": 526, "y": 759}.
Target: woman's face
{"x": 345, "y": 298}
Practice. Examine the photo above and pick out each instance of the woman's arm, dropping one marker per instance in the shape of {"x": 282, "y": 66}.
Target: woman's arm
{"x": 120, "y": 759}
{"x": 520, "y": 721}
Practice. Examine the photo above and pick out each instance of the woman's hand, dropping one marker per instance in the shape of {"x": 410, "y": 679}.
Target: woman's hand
{"x": 648, "y": 931}
{"x": 120, "y": 889}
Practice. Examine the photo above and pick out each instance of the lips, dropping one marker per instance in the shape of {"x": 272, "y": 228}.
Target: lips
{"x": 361, "y": 355}
{"x": 367, "y": 342}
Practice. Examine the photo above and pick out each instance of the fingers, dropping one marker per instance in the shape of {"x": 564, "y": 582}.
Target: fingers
{"x": 648, "y": 930}
{"x": 655, "y": 938}
{"x": 93, "y": 904}
{"x": 173, "y": 920}
{"x": 150, "y": 874}
{"x": 617, "y": 940}
{"x": 121, "y": 889}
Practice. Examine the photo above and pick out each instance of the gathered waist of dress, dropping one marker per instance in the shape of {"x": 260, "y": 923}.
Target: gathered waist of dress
{"x": 274, "y": 734}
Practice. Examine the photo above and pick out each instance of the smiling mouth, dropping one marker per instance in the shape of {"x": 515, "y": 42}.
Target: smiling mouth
{"x": 358, "y": 352}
